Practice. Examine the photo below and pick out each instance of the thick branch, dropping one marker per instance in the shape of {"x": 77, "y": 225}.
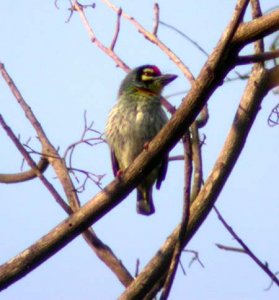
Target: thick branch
{"x": 211, "y": 76}
{"x": 257, "y": 29}
{"x": 247, "y": 111}
{"x": 59, "y": 165}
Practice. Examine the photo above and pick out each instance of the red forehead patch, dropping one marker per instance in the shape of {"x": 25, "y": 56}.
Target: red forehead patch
{"x": 156, "y": 70}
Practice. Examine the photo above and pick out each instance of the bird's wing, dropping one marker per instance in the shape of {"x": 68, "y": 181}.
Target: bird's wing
{"x": 115, "y": 164}
{"x": 162, "y": 171}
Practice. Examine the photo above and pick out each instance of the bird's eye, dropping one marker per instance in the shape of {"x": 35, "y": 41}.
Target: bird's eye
{"x": 147, "y": 74}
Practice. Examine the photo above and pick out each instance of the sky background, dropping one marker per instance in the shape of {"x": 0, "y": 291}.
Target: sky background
{"x": 61, "y": 74}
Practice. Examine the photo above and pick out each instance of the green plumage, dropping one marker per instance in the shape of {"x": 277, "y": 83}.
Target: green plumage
{"x": 135, "y": 119}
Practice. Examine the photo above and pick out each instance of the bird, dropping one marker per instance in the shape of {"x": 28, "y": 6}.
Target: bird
{"x": 133, "y": 122}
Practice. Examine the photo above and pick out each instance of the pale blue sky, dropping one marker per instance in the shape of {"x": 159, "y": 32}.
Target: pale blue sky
{"x": 61, "y": 73}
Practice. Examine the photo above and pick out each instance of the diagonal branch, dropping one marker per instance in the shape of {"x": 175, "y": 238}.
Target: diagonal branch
{"x": 246, "y": 249}
{"x": 210, "y": 77}
{"x": 59, "y": 165}
{"x": 108, "y": 50}
{"x": 258, "y": 28}
{"x": 247, "y": 111}
{"x": 153, "y": 39}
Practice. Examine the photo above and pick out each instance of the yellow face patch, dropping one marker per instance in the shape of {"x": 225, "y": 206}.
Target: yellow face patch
{"x": 147, "y": 74}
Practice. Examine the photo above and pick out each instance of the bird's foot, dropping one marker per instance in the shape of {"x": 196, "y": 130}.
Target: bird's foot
{"x": 119, "y": 174}
{"x": 146, "y": 146}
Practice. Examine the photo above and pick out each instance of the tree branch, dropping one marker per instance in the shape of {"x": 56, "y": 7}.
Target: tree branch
{"x": 108, "y": 50}
{"x": 200, "y": 208}
{"x": 262, "y": 57}
{"x": 185, "y": 217}
{"x": 246, "y": 249}
{"x": 256, "y": 29}
{"x": 153, "y": 39}
{"x": 210, "y": 77}
{"x": 102, "y": 251}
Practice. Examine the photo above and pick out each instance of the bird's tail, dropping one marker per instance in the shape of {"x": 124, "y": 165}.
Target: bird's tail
{"x": 145, "y": 204}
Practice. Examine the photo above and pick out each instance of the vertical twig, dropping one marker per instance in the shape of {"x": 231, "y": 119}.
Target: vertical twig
{"x": 185, "y": 217}
{"x": 156, "y": 10}
{"x": 117, "y": 29}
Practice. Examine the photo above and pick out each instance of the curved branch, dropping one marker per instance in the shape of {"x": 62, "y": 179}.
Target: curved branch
{"x": 27, "y": 175}
{"x": 36, "y": 169}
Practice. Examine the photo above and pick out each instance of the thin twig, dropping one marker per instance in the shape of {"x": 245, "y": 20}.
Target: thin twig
{"x": 197, "y": 161}
{"x": 137, "y": 267}
{"x": 176, "y": 157}
{"x": 153, "y": 39}
{"x": 88, "y": 176}
{"x": 156, "y": 9}
{"x": 117, "y": 29}
{"x": 34, "y": 167}
{"x": 273, "y": 118}
{"x": 196, "y": 257}
{"x": 247, "y": 250}
{"x": 120, "y": 63}
{"x": 230, "y": 248}
{"x": 255, "y": 58}
{"x": 201, "y": 49}
{"x": 101, "y": 250}
{"x": 185, "y": 217}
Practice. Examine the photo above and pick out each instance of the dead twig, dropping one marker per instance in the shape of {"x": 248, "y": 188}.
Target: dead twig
{"x": 75, "y": 6}
{"x": 273, "y": 118}
{"x": 153, "y": 39}
{"x": 185, "y": 217}
{"x": 246, "y": 249}
{"x": 117, "y": 29}
{"x": 156, "y": 9}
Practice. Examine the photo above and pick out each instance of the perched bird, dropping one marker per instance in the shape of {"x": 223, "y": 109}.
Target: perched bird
{"x": 135, "y": 119}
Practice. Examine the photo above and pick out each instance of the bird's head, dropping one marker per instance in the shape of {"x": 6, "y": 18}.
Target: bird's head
{"x": 146, "y": 79}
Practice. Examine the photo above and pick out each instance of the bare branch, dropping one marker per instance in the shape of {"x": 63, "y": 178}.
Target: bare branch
{"x": 195, "y": 257}
{"x": 63, "y": 175}
{"x": 246, "y": 249}
{"x": 153, "y": 39}
{"x": 230, "y": 248}
{"x": 273, "y": 118}
{"x": 211, "y": 76}
{"x": 79, "y": 8}
{"x": 257, "y": 28}
{"x": 117, "y": 29}
{"x": 36, "y": 171}
{"x": 255, "y": 58}
{"x": 185, "y": 217}
{"x": 197, "y": 161}
{"x": 201, "y": 49}
{"x": 156, "y": 9}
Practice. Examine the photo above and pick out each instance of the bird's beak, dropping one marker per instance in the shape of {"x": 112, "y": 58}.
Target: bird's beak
{"x": 166, "y": 79}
